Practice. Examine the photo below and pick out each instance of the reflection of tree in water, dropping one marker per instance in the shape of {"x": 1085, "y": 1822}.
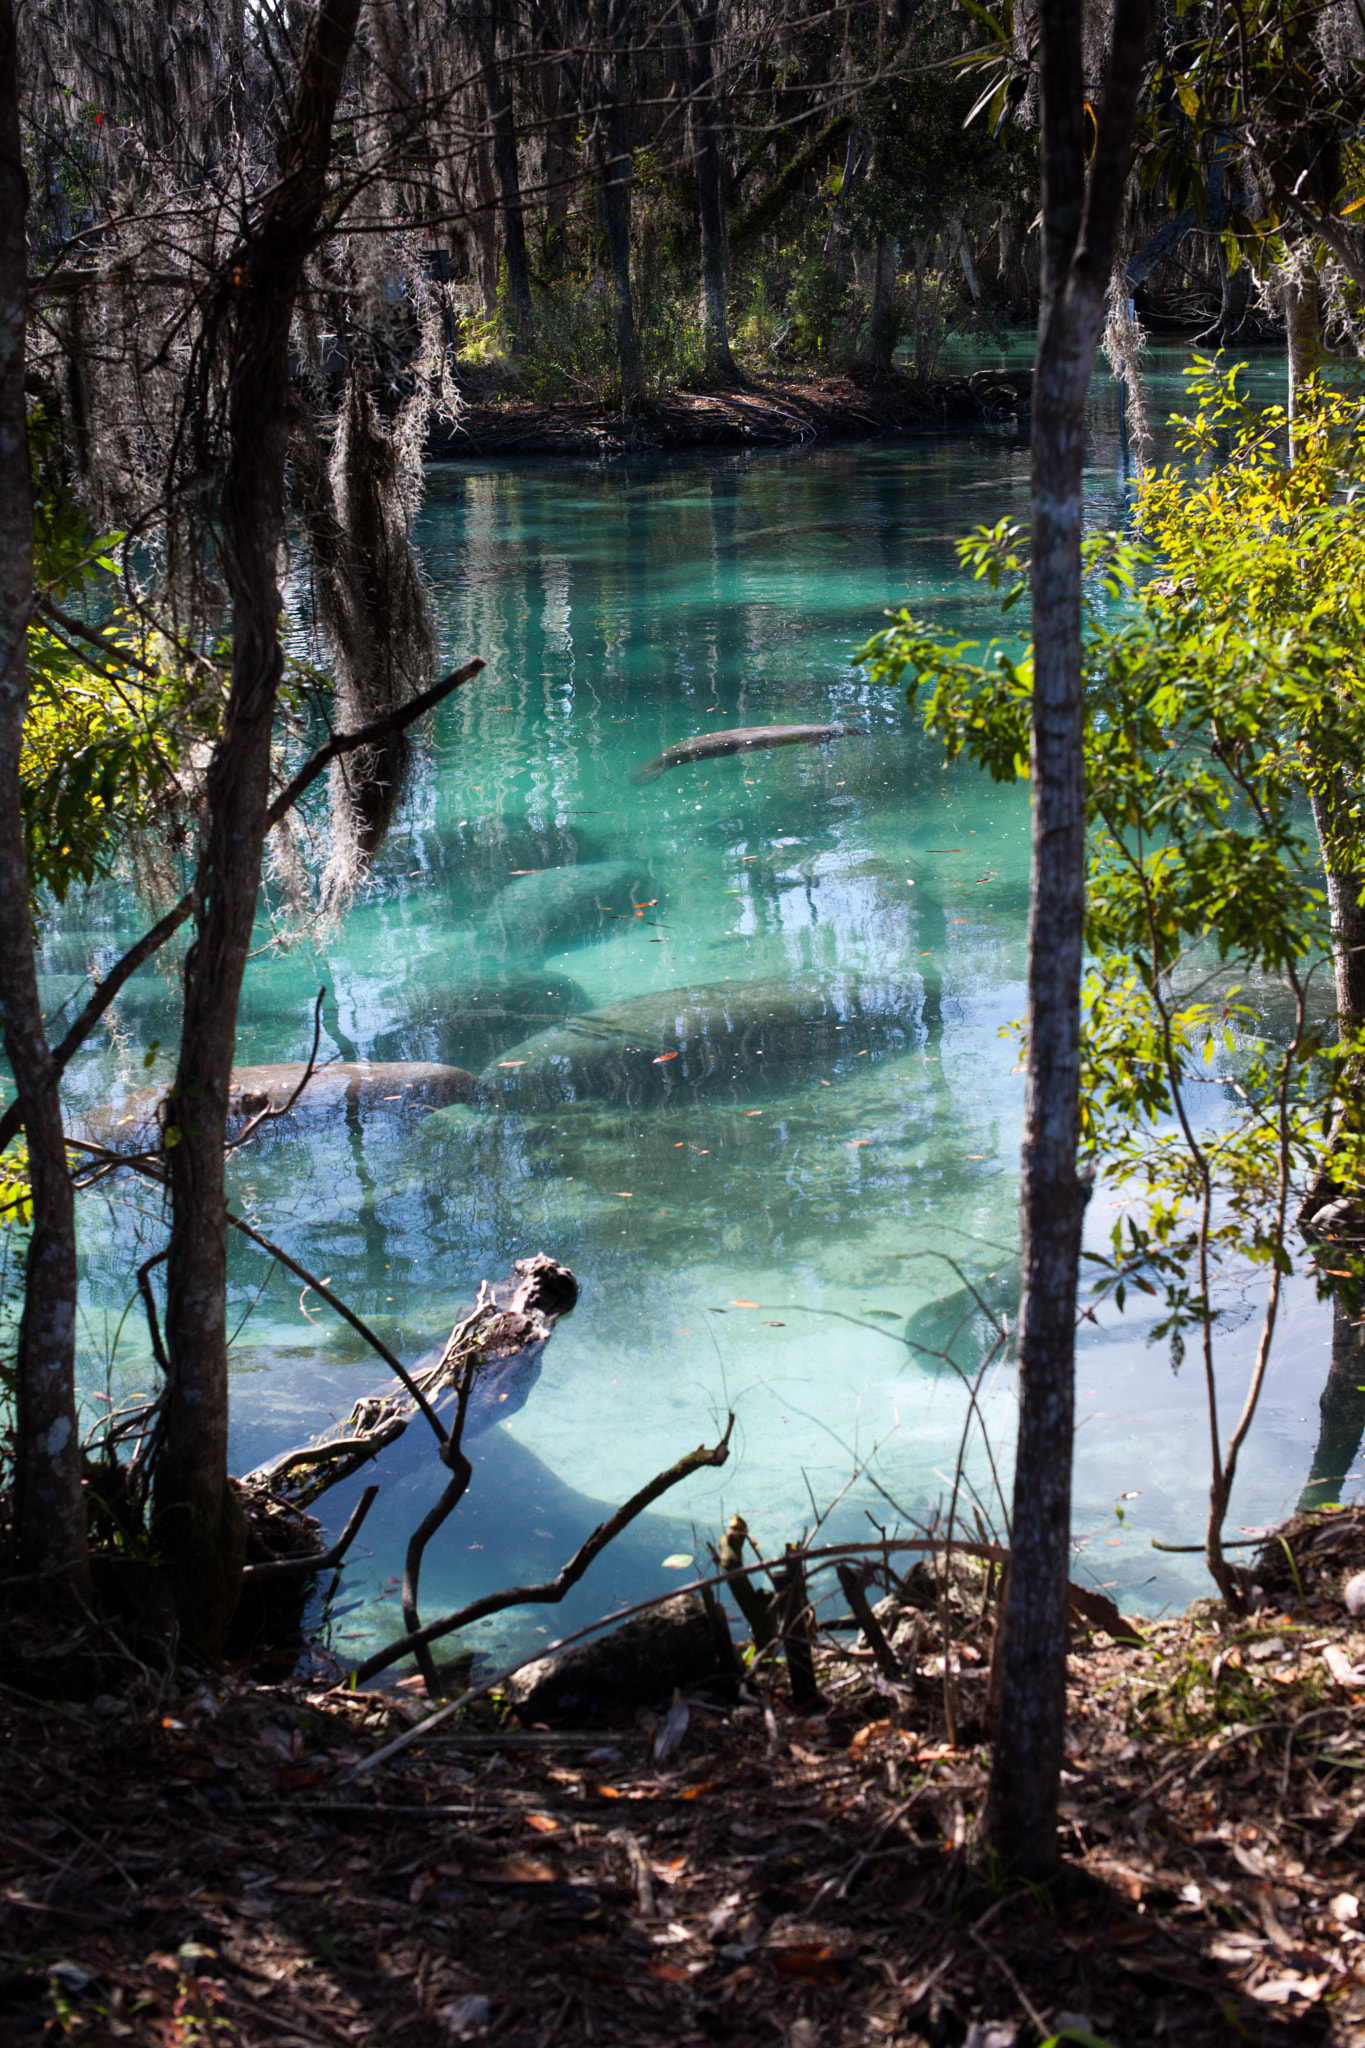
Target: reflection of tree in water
{"x": 1343, "y": 1410}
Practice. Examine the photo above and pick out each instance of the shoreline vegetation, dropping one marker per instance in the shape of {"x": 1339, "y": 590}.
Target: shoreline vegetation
{"x": 760, "y": 1869}
{"x": 775, "y": 410}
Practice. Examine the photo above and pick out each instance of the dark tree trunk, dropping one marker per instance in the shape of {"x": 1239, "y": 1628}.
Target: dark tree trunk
{"x": 883, "y": 328}
{"x": 198, "y": 1523}
{"x": 1343, "y": 1411}
{"x": 702, "y": 21}
{"x": 1080, "y": 221}
{"x": 615, "y": 168}
{"x": 50, "y": 1503}
{"x": 498, "y": 99}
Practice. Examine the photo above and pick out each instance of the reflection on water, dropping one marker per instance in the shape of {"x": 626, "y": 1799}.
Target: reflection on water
{"x": 743, "y": 1033}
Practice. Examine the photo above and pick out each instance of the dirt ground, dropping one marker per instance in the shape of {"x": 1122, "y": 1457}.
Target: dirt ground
{"x": 190, "y": 1861}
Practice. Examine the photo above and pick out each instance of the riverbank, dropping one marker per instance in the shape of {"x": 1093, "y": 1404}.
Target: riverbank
{"x": 186, "y": 1861}
{"x": 767, "y": 412}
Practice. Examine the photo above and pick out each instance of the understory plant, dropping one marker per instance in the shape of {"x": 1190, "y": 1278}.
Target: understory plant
{"x": 1224, "y": 715}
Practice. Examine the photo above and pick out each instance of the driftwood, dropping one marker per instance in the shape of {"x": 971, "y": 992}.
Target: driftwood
{"x": 503, "y": 1334}
{"x": 509, "y": 1326}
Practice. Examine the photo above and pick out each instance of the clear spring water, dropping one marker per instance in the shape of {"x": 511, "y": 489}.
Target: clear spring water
{"x": 759, "y": 1246}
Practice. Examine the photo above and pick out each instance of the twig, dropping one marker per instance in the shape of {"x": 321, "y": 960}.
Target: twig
{"x": 269, "y": 1115}
{"x": 362, "y": 1329}
{"x": 1029, "y": 2007}
{"x": 298, "y": 1567}
{"x": 822, "y": 1557}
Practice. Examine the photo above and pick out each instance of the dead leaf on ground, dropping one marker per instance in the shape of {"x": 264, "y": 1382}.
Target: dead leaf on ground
{"x": 815, "y": 1962}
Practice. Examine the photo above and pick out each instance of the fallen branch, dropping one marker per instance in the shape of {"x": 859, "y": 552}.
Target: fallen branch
{"x": 553, "y": 1590}
{"x": 298, "y": 1567}
{"x": 821, "y": 1559}
{"x": 12, "y": 1121}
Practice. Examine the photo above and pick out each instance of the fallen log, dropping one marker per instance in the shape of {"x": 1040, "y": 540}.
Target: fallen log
{"x": 505, "y": 1332}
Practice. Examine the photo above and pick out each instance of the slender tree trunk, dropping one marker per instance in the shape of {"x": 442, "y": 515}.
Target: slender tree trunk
{"x": 198, "y": 1523}
{"x": 882, "y": 324}
{"x": 615, "y": 168}
{"x": 498, "y": 99}
{"x": 50, "y": 1503}
{"x": 1339, "y": 837}
{"x": 1301, "y": 327}
{"x": 1080, "y": 221}
{"x": 702, "y": 21}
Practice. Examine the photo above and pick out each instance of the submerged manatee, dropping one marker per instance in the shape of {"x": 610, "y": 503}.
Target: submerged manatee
{"x": 730, "y": 1034}
{"x": 741, "y": 739}
{"x": 467, "y": 1022}
{"x": 553, "y": 908}
{"x": 137, "y": 1122}
{"x": 965, "y": 1326}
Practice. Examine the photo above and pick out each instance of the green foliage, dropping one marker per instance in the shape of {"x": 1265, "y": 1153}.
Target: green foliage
{"x": 1217, "y": 692}
{"x": 107, "y": 727}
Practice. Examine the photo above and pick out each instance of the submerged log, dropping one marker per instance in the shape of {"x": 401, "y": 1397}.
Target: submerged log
{"x": 712, "y": 746}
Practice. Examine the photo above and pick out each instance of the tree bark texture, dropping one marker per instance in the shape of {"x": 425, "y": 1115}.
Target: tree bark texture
{"x": 198, "y": 1523}
{"x": 882, "y": 325}
{"x": 502, "y": 122}
{"x": 50, "y": 1504}
{"x": 615, "y": 168}
{"x": 1338, "y": 836}
{"x": 702, "y": 22}
{"x": 1080, "y": 221}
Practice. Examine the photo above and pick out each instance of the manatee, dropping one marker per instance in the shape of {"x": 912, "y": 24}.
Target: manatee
{"x": 136, "y": 1123}
{"x": 559, "y": 905}
{"x": 965, "y": 1326}
{"x": 676, "y": 1042}
{"x": 467, "y": 1022}
{"x": 710, "y": 746}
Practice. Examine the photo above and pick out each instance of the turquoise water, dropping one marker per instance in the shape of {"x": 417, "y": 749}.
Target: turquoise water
{"x": 761, "y": 1229}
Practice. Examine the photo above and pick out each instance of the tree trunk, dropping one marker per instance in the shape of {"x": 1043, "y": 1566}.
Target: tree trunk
{"x": 1301, "y": 328}
{"x": 615, "y": 167}
{"x": 50, "y": 1504}
{"x": 1342, "y": 1409}
{"x": 702, "y": 21}
{"x": 199, "y": 1526}
{"x": 883, "y": 327}
{"x": 1338, "y": 835}
{"x": 498, "y": 99}
{"x": 1079, "y": 232}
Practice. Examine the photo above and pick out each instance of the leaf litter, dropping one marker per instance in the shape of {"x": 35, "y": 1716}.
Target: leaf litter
{"x": 780, "y": 1878}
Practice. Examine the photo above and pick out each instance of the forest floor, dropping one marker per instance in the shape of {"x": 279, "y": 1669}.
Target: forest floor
{"x": 771, "y": 411}
{"x": 190, "y": 1861}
